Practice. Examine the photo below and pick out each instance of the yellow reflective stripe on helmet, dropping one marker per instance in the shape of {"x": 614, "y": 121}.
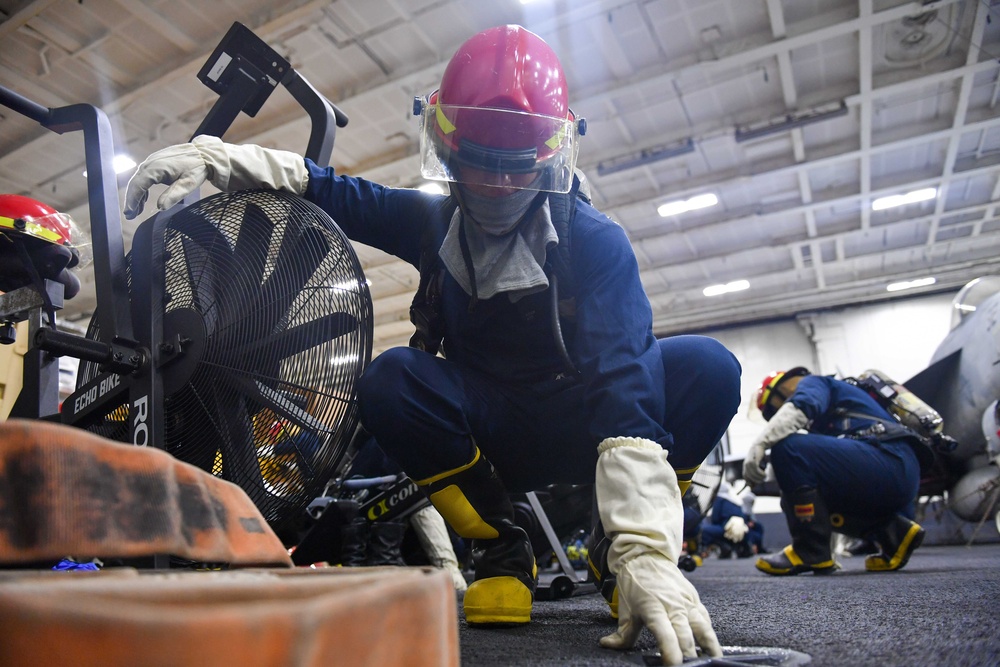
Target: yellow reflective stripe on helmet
{"x": 556, "y": 139}
{"x": 30, "y": 228}
{"x": 446, "y": 125}
{"x": 765, "y": 396}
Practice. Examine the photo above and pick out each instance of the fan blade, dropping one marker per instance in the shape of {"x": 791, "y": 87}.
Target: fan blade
{"x": 192, "y": 411}
{"x": 239, "y": 455}
{"x": 244, "y": 268}
{"x": 284, "y": 344}
{"x": 204, "y": 277}
{"x": 278, "y": 403}
{"x": 289, "y": 410}
{"x": 250, "y": 253}
{"x": 298, "y": 258}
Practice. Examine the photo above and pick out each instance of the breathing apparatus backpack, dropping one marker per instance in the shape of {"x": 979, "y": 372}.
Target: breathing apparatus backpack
{"x": 909, "y": 410}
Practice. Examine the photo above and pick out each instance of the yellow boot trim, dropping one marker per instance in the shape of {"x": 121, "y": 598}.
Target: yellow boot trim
{"x": 461, "y": 515}
{"x": 880, "y": 564}
{"x": 684, "y": 476}
{"x": 456, "y": 508}
{"x": 795, "y": 564}
{"x": 769, "y": 568}
{"x": 449, "y": 473}
{"x": 614, "y": 604}
{"x": 498, "y": 601}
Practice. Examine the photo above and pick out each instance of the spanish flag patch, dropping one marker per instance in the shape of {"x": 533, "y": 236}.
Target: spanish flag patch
{"x": 805, "y": 512}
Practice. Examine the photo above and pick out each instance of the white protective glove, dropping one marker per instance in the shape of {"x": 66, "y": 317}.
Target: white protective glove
{"x": 229, "y": 167}
{"x": 787, "y": 420}
{"x": 639, "y": 502}
{"x": 753, "y": 472}
{"x": 433, "y": 536}
{"x": 735, "y": 529}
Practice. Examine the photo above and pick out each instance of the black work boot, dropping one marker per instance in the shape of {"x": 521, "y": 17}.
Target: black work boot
{"x": 474, "y": 502}
{"x": 384, "y": 541}
{"x": 809, "y": 524}
{"x": 600, "y": 573}
{"x": 354, "y": 542}
{"x": 898, "y": 538}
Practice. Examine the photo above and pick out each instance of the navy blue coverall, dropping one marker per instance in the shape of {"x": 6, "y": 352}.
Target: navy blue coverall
{"x": 502, "y": 386}
{"x": 867, "y": 476}
{"x": 713, "y": 531}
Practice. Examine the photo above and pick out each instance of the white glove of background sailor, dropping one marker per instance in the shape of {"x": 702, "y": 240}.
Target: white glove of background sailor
{"x": 787, "y": 420}
{"x": 639, "y": 502}
{"x": 735, "y": 529}
{"x": 229, "y": 167}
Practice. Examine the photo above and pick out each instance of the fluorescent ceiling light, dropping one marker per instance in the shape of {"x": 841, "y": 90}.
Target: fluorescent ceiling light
{"x": 901, "y": 200}
{"x": 735, "y": 286}
{"x": 910, "y": 284}
{"x": 121, "y": 163}
{"x": 683, "y": 206}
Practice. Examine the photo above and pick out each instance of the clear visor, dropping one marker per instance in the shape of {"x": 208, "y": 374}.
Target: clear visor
{"x": 754, "y": 413}
{"x": 79, "y": 240}
{"x": 497, "y": 148}
{"x": 58, "y": 229}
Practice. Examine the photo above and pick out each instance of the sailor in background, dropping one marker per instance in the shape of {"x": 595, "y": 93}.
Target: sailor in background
{"x": 730, "y": 526}
{"x": 843, "y": 464}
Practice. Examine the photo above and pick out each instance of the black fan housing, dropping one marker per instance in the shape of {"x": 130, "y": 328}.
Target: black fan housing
{"x": 267, "y": 320}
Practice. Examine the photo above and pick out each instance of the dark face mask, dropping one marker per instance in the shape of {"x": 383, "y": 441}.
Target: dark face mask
{"x": 496, "y": 215}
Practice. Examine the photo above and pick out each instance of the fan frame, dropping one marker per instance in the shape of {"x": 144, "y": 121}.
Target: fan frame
{"x": 131, "y": 350}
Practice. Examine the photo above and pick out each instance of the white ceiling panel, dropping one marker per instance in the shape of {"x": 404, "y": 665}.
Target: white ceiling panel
{"x": 795, "y": 113}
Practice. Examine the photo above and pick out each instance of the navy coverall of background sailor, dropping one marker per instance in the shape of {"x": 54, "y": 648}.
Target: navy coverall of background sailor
{"x": 856, "y": 477}
{"x": 502, "y": 387}
{"x": 725, "y": 508}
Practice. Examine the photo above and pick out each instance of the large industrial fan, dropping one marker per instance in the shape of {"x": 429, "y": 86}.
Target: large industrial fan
{"x": 234, "y": 332}
{"x": 267, "y": 310}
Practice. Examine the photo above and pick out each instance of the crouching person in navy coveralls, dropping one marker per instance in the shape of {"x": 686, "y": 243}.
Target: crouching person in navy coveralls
{"x": 855, "y": 470}
{"x": 549, "y": 371}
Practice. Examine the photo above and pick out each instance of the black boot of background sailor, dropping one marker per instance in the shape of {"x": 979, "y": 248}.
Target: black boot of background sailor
{"x": 809, "y": 525}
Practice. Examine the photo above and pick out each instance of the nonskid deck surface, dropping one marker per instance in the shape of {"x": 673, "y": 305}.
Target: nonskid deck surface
{"x": 940, "y": 610}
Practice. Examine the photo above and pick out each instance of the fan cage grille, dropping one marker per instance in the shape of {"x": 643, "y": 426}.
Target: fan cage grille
{"x": 273, "y": 312}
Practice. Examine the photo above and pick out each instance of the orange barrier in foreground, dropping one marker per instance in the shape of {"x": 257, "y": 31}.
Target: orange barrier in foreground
{"x": 250, "y": 618}
{"x": 67, "y": 492}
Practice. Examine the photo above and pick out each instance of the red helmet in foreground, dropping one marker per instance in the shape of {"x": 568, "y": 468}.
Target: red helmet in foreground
{"x": 501, "y": 116}
{"x": 35, "y": 238}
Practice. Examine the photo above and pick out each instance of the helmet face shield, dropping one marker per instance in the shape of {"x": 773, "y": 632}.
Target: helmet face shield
{"x": 497, "y": 148}
{"x": 26, "y": 217}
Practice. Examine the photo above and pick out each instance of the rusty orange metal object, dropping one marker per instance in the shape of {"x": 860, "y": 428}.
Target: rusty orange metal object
{"x": 252, "y": 618}
{"x": 68, "y": 492}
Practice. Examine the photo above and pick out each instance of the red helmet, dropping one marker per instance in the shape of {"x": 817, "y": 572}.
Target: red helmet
{"x": 28, "y": 216}
{"x": 502, "y": 110}
{"x": 51, "y": 240}
{"x": 772, "y": 382}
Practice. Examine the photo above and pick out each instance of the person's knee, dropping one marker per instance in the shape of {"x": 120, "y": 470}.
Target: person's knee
{"x": 793, "y": 467}
{"x": 714, "y": 370}
{"x": 383, "y": 379}
{"x": 725, "y": 368}
{"x": 781, "y": 453}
